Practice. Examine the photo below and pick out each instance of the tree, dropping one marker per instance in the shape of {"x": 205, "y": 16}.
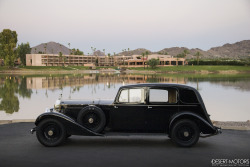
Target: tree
{"x": 76, "y": 52}
{"x": 153, "y": 62}
{"x": 8, "y": 41}
{"x": 22, "y": 50}
{"x": 185, "y": 52}
{"x": 143, "y": 55}
{"x": 198, "y": 54}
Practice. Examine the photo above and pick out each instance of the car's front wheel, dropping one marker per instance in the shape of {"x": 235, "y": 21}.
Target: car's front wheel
{"x": 51, "y": 132}
{"x": 185, "y": 133}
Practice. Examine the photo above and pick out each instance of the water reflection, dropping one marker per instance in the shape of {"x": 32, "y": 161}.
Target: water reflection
{"x": 9, "y": 88}
{"x": 25, "y": 93}
{"x": 95, "y": 79}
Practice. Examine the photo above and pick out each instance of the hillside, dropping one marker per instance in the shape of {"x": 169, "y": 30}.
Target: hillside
{"x": 232, "y": 51}
{"x": 236, "y": 50}
{"x": 51, "y": 48}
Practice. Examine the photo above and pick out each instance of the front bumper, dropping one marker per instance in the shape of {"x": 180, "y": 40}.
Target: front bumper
{"x": 50, "y": 110}
{"x": 46, "y": 111}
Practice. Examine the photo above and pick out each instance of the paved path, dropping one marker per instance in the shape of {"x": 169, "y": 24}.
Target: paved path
{"x": 20, "y": 148}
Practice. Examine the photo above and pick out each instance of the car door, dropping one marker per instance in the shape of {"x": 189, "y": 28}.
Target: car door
{"x": 128, "y": 113}
{"x": 161, "y": 104}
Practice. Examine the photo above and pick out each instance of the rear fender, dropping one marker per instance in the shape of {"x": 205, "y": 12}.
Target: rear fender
{"x": 72, "y": 127}
{"x": 204, "y": 125}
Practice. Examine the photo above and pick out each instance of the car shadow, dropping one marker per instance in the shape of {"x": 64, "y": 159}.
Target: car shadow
{"x": 77, "y": 141}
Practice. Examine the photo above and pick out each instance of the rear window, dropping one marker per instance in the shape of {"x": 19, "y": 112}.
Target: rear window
{"x": 188, "y": 96}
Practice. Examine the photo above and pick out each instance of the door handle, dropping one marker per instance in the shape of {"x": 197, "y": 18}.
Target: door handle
{"x": 115, "y": 107}
{"x": 149, "y": 107}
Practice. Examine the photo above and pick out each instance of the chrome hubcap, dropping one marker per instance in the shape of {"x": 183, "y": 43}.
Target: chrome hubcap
{"x": 186, "y": 134}
{"x": 91, "y": 120}
{"x": 50, "y": 132}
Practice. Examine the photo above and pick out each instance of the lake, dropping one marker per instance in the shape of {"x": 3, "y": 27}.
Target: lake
{"x": 226, "y": 97}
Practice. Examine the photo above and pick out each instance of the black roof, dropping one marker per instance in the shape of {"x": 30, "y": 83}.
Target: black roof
{"x": 158, "y": 85}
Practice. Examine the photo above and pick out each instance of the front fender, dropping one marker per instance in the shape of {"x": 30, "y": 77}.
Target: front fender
{"x": 72, "y": 127}
{"x": 206, "y": 124}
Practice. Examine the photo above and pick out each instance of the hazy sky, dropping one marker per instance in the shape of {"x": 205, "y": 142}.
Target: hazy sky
{"x": 118, "y": 24}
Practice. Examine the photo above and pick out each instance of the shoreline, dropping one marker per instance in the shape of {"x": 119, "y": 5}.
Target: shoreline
{"x": 232, "y": 125}
{"x": 23, "y": 72}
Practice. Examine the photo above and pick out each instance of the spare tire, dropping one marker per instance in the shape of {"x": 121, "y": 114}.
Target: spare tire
{"x": 93, "y": 118}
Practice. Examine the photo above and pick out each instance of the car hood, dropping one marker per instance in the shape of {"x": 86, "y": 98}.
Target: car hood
{"x": 87, "y": 102}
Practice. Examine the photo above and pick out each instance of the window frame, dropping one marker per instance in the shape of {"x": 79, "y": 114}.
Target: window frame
{"x": 119, "y": 93}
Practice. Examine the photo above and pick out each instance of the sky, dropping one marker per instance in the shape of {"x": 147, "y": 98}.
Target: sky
{"x": 115, "y": 25}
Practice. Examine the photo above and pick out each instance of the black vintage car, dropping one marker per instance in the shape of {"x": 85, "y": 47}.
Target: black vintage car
{"x": 172, "y": 109}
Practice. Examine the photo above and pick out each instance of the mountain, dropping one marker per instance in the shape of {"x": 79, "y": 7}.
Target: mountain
{"x": 51, "y": 48}
{"x": 232, "y": 51}
{"x": 236, "y": 50}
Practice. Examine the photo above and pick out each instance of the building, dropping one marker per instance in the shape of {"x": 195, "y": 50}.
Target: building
{"x": 165, "y": 60}
{"x": 81, "y": 60}
{"x": 73, "y": 60}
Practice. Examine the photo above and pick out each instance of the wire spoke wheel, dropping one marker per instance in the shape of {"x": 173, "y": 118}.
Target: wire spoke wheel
{"x": 92, "y": 118}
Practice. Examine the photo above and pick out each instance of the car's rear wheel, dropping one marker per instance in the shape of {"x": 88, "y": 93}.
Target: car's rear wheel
{"x": 50, "y": 132}
{"x": 92, "y": 118}
{"x": 185, "y": 133}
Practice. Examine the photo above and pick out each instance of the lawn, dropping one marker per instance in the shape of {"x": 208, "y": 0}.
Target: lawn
{"x": 194, "y": 68}
{"x": 162, "y": 69}
{"x": 49, "y": 68}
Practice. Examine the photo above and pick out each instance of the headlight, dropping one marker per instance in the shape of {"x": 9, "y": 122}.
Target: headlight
{"x": 57, "y": 105}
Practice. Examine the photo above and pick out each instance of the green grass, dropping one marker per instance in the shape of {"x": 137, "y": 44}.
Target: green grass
{"x": 160, "y": 69}
{"x": 52, "y": 68}
{"x": 194, "y": 68}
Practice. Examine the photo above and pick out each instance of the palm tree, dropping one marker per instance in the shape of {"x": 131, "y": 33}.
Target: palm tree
{"x": 45, "y": 47}
{"x": 143, "y": 55}
{"x": 185, "y": 53}
{"x": 198, "y": 54}
{"x": 60, "y": 56}
{"x": 147, "y": 53}
{"x": 69, "y": 49}
{"x": 93, "y": 52}
{"x": 35, "y": 50}
{"x": 109, "y": 59}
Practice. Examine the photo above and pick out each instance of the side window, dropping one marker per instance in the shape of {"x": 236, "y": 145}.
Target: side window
{"x": 162, "y": 96}
{"x": 136, "y": 95}
{"x": 132, "y": 96}
{"x": 188, "y": 96}
{"x": 158, "y": 95}
{"x": 124, "y": 96}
